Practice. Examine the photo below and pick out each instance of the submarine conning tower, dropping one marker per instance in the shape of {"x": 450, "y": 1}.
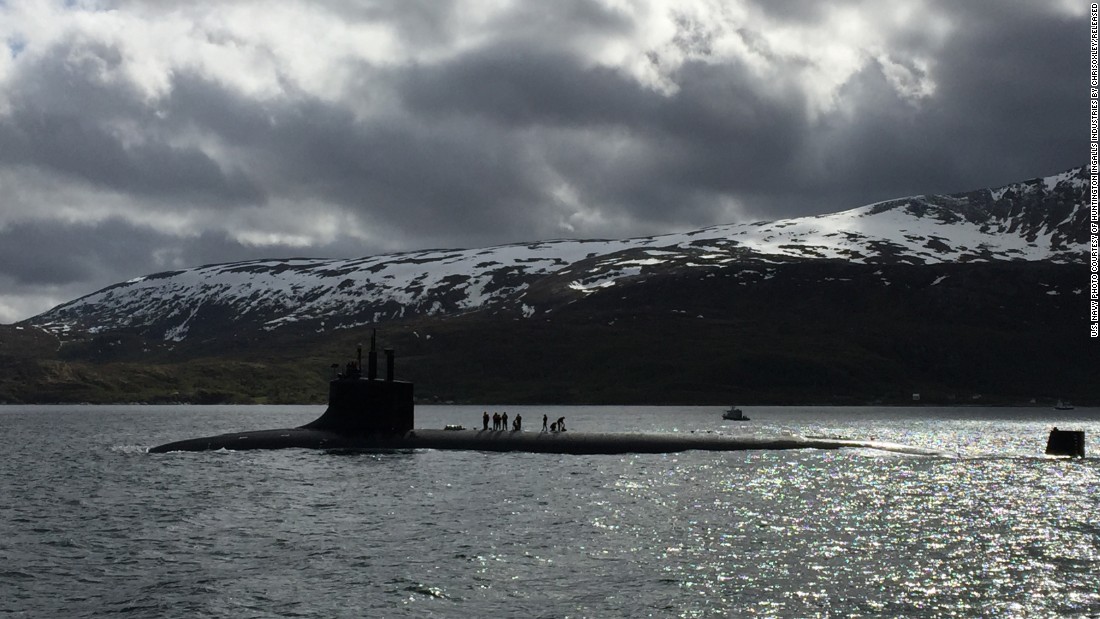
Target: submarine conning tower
{"x": 368, "y": 404}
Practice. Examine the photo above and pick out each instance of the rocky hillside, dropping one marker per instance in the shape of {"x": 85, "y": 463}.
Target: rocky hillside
{"x": 978, "y": 297}
{"x": 1038, "y": 220}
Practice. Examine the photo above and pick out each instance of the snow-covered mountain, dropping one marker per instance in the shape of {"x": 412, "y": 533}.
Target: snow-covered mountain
{"x": 1038, "y": 220}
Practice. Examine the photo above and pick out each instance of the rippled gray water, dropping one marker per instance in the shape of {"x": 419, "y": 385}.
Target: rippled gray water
{"x": 91, "y": 525}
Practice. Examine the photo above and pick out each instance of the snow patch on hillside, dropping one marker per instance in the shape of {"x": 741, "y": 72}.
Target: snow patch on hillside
{"x": 348, "y": 292}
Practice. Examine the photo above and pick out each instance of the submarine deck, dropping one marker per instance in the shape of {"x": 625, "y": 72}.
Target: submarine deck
{"x": 569, "y": 442}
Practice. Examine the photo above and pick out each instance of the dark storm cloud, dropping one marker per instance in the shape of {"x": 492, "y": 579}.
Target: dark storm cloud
{"x": 80, "y": 148}
{"x": 44, "y": 263}
{"x": 719, "y": 132}
{"x": 1013, "y": 93}
{"x": 736, "y": 134}
{"x": 717, "y": 135}
{"x": 515, "y": 85}
{"x": 465, "y": 181}
{"x": 71, "y": 121}
{"x": 528, "y": 122}
{"x": 1008, "y": 106}
{"x": 60, "y": 253}
{"x": 999, "y": 113}
{"x": 462, "y": 159}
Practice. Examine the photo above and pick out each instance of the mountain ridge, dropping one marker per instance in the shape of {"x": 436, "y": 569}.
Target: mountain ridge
{"x": 1038, "y": 219}
{"x": 971, "y": 298}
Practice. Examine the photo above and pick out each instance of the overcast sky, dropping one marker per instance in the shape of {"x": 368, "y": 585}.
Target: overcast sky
{"x": 142, "y": 136}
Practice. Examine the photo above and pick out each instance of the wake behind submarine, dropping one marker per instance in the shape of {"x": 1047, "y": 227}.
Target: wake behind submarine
{"x": 369, "y": 413}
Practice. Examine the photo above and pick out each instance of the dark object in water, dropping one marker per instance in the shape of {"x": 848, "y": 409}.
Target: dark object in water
{"x": 1066, "y": 443}
{"x": 372, "y": 413}
{"x": 580, "y": 443}
{"x": 734, "y": 414}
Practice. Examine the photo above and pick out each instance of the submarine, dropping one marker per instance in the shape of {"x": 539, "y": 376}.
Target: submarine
{"x": 368, "y": 412}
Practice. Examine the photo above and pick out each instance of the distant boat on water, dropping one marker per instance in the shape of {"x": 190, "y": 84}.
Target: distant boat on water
{"x": 734, "y": 414}
{"x": 1062, "y": 405}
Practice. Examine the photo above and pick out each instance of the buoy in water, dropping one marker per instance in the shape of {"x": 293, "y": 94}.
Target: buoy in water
{"x": 1066, "y": 443}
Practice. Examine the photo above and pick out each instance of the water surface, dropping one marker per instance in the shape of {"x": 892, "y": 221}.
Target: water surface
{"x": 91, "y": 525}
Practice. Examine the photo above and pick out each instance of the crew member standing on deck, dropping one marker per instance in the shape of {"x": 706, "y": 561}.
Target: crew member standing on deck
{"x": 485, "y": 420}
{"x": 544, "y": 423}
{"x": 504, "y": 421}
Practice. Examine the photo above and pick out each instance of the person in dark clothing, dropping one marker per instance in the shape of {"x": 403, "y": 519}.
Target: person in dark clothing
{"x": 544, "y": 423}
{"x": 504, "y": 421}
{"x": 561, "y": 424}
{"x": 485, "y": 420}
{"x": 517, "y": 425}
{"x": 496, "y": 421}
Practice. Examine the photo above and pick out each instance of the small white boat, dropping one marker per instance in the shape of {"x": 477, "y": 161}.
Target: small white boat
{"x": 1063, "y": 406}
{"x": 734, "y": 414}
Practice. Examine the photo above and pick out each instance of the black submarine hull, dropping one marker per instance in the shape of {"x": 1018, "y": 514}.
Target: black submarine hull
{"x": 368, "y": 412}
{"x": 579, "y": 443}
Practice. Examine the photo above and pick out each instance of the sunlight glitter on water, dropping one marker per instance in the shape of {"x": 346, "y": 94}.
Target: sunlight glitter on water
{"x": 1002, "y": 531}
